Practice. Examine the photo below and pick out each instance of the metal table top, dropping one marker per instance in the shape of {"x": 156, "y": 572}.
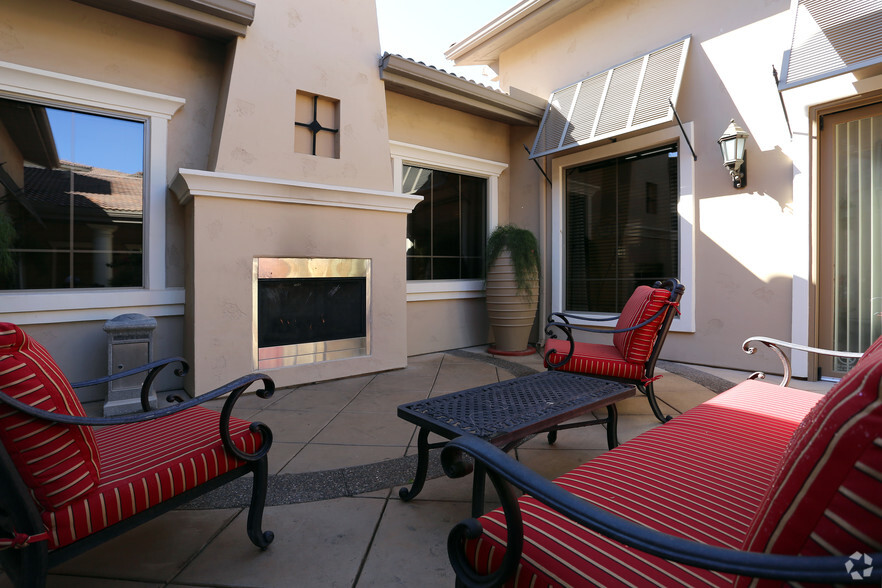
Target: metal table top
{"x": 507, "y": 411}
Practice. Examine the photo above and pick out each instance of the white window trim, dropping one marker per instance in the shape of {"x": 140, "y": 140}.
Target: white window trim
{"x": 69, "y": 305}
{"x": 685, "y": 209}
{"x": 408, "y": 154}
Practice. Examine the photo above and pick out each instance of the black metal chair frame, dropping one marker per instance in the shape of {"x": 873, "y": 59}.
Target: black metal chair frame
{"x": 28, "y": 560}
{"x": 561, "y": 322}
{"x": 506, "y": 473}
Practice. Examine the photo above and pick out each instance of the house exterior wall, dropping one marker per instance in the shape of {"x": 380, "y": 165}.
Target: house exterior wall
{"x": 750, "y": 245}
{"x": 222, "y": 136}
{"x": 68, "y": 38}
{"x": 453, "y": 318}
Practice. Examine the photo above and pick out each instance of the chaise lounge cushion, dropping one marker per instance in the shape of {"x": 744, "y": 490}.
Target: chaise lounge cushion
{"x": 185, "y": 451}
{"x": 58, "y": 462}
{"x": 831, "y": 475}
{"x": 701, "y": 476}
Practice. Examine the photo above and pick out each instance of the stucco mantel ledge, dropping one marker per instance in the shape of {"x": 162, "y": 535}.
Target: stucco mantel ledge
{"x": 191, "y": 183}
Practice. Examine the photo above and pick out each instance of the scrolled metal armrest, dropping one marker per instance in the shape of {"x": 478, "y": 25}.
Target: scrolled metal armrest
{"x": 560, "y": 320}
{"x": 255, "y": 427}
{"x": 154, "y": 366}
{"x": 567, "y": 328}
{"x": 153, "y": 369}
{"x": 505, "y": 472}
{"x": 776, "y": 344}
{"x": 235, "y": 389}
{"x": 241, "y": 383}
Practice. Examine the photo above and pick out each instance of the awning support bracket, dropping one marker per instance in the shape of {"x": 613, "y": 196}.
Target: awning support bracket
{"x": 781, "y": 98}
{"x": 682, "y": 130}
{"x": 540, "y": 167}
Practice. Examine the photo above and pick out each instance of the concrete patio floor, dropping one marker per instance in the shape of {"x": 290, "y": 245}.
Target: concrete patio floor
{"x": 339, "y": 456}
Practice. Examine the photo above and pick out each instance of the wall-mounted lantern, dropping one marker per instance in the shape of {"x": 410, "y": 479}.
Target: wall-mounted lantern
{"x": 732, "y": 146}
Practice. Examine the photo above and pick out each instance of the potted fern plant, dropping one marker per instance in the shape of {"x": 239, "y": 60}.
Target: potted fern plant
{"x": 512, "y": 288}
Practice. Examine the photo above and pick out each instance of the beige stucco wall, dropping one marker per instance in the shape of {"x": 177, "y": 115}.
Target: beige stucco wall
{"x": 440, "y": 325}
{"x": 327, "y": 48}
{"x": 744, "y": 240}
{"x": 436, "y": 325}
{"x": 438, "y": 127}
{"x": 77, "y": 40}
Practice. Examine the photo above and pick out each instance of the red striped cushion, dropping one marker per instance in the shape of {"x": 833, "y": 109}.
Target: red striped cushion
{"x": 146, "y": 463}
{"x": 592, "y": 358}
{"x": 826, "y": 498}
{"x": 701, "y": 476}
{"x": 59, "y": 463}
{"x": 636, "y": 346}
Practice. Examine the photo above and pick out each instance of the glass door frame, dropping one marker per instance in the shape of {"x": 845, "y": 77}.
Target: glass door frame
{"x": 824, "y": 119}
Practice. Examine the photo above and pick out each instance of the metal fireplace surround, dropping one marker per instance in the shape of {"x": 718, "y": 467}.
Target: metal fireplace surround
{"x": 309, "y": 310}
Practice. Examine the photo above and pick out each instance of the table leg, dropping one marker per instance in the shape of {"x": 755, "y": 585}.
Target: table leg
{"x": 422, "y": 467}
{"x": 612, "y": 437}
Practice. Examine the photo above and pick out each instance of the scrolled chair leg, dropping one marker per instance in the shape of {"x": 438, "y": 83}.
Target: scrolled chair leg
{"x": 257, "y": 535}
{"x": 649, "y": 391}
{"x": 258, "y": 459}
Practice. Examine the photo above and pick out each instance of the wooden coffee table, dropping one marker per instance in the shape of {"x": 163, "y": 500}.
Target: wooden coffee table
{"x": 506, "y": 413}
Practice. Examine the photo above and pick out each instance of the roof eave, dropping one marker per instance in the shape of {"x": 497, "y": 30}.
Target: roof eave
{"x": 511, "y": 27}
{"x": 417, "y": 80}
{"x": 222, "y": 20}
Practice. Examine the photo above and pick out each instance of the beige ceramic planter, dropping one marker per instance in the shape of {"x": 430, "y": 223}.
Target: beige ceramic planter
{"x": 510, "y": 312}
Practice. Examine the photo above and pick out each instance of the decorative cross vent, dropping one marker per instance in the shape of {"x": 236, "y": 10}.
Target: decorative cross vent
{"x": 319, "y": 117}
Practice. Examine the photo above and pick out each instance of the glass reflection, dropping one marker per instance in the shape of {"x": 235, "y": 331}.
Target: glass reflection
{"x": 71, "y": 199}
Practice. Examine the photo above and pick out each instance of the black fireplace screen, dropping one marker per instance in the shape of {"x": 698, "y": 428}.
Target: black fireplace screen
{"x": 291, "y": 311}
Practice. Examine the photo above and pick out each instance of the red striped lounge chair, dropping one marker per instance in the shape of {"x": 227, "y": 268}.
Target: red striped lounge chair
{"x": 67, "y": 485}
{"x": 640, "y": 332}
{"x": 759, "y": 486}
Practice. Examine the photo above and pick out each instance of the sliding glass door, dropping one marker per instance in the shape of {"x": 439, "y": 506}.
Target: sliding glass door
{"x": 850, "y": 233}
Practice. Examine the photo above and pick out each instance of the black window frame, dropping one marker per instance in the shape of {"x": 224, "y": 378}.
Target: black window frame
{"x": 430, "y": 256}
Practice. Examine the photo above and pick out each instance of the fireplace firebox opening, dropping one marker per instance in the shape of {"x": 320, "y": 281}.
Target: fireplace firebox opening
{"x": 309, "y": 310}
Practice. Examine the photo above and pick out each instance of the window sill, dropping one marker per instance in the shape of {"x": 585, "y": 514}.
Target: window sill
{"x": 422, "y": 290}
{"x": 25, "y": 307}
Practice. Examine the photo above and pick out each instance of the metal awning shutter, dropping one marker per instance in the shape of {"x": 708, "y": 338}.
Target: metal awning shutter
{"x": 630, "y": 96}
{"x": 832, "y": 38}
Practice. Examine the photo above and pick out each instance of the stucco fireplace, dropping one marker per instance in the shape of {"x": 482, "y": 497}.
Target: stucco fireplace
{"x": 330, "y": 258}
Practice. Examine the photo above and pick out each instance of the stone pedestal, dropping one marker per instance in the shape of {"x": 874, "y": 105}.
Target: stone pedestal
{"x": 129, "y": 345}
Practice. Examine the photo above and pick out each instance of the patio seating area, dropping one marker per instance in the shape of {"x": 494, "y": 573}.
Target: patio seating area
{"x": 339, "y": 456}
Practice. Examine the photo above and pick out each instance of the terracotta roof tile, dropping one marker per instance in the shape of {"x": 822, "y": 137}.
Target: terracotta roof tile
{"x": 92, "y": 187}
{"x": 444, "y": 71}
